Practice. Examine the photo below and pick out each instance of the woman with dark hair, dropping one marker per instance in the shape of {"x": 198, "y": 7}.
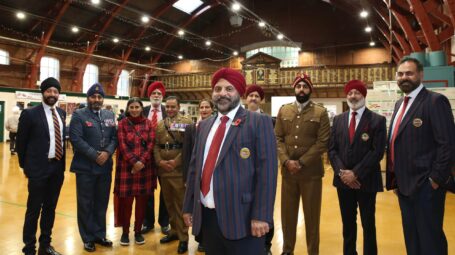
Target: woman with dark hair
{"x": 205, "y": 111}
{"x": 135, "y": 177}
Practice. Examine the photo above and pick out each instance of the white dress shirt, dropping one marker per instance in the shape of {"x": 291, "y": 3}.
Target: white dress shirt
{"x": 159, "y": 114}
{"x": 358, "y": 116}
{"x": 411, "y": 96}
{"x": 50, "y": 123}
{"x": 209, "y": 201}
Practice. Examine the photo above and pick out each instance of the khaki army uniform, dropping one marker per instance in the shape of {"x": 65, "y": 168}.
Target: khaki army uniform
{"x": 168, "y": 146}
{"x": 302, "y": 135}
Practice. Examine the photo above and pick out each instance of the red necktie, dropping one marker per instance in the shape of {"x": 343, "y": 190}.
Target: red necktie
{"x": 58, "y": 136}
{"x": 212, "y": 156}
{"x": 154, "y": 118}
{"x": 352, "y": 127}
{"x": 395, "y": 131}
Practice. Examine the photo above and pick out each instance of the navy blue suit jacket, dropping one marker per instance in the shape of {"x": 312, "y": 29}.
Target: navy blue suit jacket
{"x": 365, "y": 152}
{"x": 90, "y": 134}
{"x": 424, "y": 145}
{"x": 33, "y": 141}
{"x": 244, "y": 188}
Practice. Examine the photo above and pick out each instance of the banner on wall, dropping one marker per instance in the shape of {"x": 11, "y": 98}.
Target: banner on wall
{"x": 35, "y": 96}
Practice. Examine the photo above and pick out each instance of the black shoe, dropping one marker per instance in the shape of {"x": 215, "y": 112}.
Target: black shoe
{"x": 146, "y": 229}
{"x": 183, "y": 247}
{"x": 124, "y": 240}
{"x": 104, "y": 242}
{"x": 139, "y": 239}
{"x": 169, "y": 238}
{"x": 200, "y": 248}
{"x": 48, "y": 251}
{"x": 165, "y": 230}
{"x": 89, "y": 246}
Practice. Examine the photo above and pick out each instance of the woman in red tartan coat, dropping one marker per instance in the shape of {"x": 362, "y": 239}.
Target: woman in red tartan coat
{"x": 135, "y": 177}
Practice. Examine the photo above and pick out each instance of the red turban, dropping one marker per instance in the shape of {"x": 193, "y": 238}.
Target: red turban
{"x": 305, "y": 78}
{"x": 232, "y": 76}
{"x": 156, "y": 85}
{"x": 356, "y": 84}
{"x": 253, "y": 88}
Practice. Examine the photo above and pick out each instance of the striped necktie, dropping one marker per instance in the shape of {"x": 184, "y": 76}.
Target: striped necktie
{"x": 58, "y": 136}
{"x": 154, "y": 118}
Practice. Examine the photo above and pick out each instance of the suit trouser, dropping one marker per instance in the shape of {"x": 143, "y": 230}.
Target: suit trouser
{"x": 216, "y": 244}
{"x": 422, "y": 216}
{"x": 310, "y": 190}
{"x": 12, "y": 141}
{"x": 92, "y": 200}
{"x": 163, "y": 216}
{"x": 174, "y": 193}
{"x": 349, "y": 199}
{"x": 43, "y": 196}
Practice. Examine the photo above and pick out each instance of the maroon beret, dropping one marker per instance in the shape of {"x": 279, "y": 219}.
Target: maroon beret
{"x": 156, "y": 85}
{"x": 232, "y": 76}
{"x": 356, "y": 84}
{"x": 253, "y": 88}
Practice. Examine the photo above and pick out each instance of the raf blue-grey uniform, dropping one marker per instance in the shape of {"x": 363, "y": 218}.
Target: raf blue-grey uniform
{"x": 91, "y": 134}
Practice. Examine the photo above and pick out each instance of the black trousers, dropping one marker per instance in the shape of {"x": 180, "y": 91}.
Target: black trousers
{"x": 12, "y": 141}
{"x": 42, "y": 200}
{"x": 92, "y": 200}
{"x": 422, "y": 216}
{"x": 349, "y": 199}
{"x": 216, "y": 244}
{"x": 163, "y": 215}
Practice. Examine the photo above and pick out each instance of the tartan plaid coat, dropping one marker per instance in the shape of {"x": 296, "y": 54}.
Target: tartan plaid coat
{"x": 132, "y": 148}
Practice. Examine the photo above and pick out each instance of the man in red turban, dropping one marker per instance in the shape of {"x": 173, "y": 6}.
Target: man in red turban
{"x": 254, "y": 96}
{"x": 155, "y": 112}
{"x": 231, "y": 182}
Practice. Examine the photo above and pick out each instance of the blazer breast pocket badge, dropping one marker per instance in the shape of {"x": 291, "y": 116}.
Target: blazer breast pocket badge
{"x": 245, "y": 153}
{"x": 88, "y": 124}
{"x": 417, "y": 122}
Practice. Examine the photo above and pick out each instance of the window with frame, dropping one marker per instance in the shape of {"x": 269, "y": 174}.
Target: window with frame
{"x": 4, "y": 57}
{"x": 289, "y": 55}
{"x": 90, "y": 77}
{"x": 123, "y": 84}
{"x": 49, "y": 67}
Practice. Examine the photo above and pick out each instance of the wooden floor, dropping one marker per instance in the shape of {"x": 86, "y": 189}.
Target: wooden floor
{"x": 66, "y": 239}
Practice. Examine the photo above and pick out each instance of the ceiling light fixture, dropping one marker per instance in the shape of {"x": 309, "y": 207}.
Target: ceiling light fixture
{"x": 187, "y": 6}
{"x": 95, "y": 1}
{"x": 261, "y": 24}
{"x": 147, "y": 48}
{"x": 180, "y": 57}
{"x": 368, "y": 29}
{"x": 181, "y": 32}
{"x": 235, "y": 53}
{"x": 372, "y": 43}
{"x": 363, "y": 14}
{"x": 75, "y": 29}
{"x": 20, "y": 15}
{"x": 208, "y": 43}
{"x": 280, "y": 36}
{"x": 115, "y": 40}
{"x": 236, "y": 7}
{"x": 145, "y": 19}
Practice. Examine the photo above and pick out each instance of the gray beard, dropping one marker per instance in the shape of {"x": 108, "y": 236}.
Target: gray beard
{"x": 358, "y": 105}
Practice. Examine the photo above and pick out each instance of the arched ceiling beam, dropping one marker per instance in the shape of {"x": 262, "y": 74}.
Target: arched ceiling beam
{"x": 202, "y": 9}
{"x": 451, "y": 8}
{"x": 408, "y": 31}
{"x": 156, "y": 14}
{"x": 77, "y": 81}
{"x": 425, "y": 24}
{"x": 33, "y": 76}
{"x": 404, "y": 45}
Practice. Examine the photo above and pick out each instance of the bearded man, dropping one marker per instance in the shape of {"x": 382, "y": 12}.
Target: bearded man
{"x": 357, "y": 144}
{"x": 302, "y": 131}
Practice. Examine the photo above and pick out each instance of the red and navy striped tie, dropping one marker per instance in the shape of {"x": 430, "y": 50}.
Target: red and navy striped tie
{"x": 58, "y": 136}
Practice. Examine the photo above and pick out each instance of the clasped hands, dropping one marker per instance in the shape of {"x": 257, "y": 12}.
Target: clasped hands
{"x": 348, "y": 178}
{"x": 293, "y": 166}
{"x": 167, "y": 165}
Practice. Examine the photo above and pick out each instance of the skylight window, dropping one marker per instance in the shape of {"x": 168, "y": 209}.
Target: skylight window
{"x": 187, "y": 6}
